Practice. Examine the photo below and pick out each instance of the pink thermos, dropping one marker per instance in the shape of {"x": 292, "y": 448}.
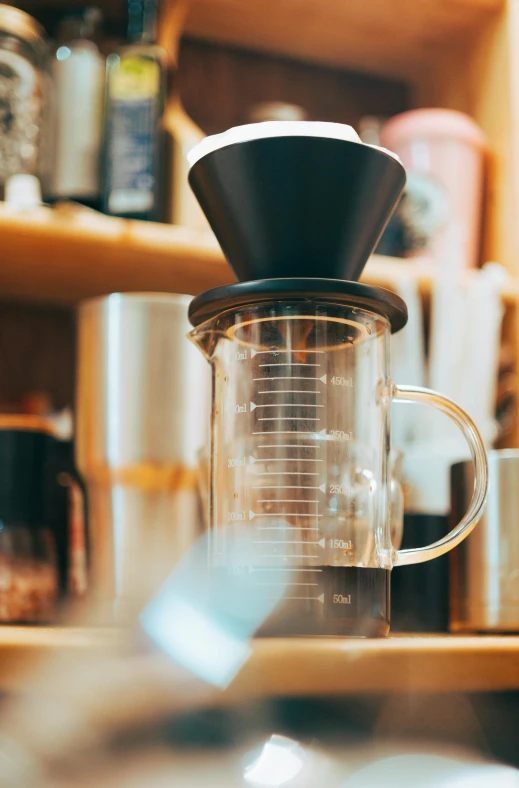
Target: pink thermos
{"x": 443, "y": 152}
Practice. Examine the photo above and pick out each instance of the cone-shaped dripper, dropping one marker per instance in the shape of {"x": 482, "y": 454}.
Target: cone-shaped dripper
{"x": 295, "y": 199}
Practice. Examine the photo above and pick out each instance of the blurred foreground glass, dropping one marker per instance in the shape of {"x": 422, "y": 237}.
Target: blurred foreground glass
{"x": 206, "y": 627}
{"x": 300, "y": 463}
{"x": 431, "y": 771}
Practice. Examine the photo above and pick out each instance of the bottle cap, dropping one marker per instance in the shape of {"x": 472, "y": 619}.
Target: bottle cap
{"x": 23, "y": 191}
{"x": 425, "y": 124}
{"x": 275, "y": 110}
{"x": 142, "y": 20}
{"x": 80, "y": 24}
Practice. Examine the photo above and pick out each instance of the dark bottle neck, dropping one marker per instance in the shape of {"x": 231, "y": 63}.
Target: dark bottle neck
{"x": 81, "y": 25}
{"x": 142, "y": 21}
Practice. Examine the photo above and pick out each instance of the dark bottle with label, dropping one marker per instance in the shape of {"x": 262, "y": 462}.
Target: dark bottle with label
{"x": 134, "y": 109}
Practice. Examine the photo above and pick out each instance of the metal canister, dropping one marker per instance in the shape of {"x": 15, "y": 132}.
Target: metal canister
{"x": 485, "y": 568}
{"x": 23, "y": 81}
{"x": 142, "y": 415}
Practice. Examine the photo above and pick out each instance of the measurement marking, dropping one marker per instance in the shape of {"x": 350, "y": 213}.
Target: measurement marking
{"x": 282, "y": 514}
{"x": 284, "y": 432}
{"x": 288, "y": 445}
{"x": 286, "y": 459}
{"x": 288, "y": 391}
{"x": 322, "y": 487}
{"x": 288, "y": 364}
{"x": 290, "y": 405}
{"x": 280, "y": 527}
{"x": 288, "y": 473}
{"x": 305, "y": 598}
{"x": 287, "y": 584}
{"x": 288, "y": 500}
{"x": 299, "y": 557}
{"x": 293, "y": 377}
{"x": 321, "y": 543}
{"x": 281, "y": 541}
{"x": 282, "y": 569}
{"x": 289, "y": 418}
{"x": 262, "y": 352}
{"x": 285, "y": 514}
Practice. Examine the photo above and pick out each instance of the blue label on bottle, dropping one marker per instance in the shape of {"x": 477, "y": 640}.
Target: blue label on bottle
{"x": 132, "y": 150}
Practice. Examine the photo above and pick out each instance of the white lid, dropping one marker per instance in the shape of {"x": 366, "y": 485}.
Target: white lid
{"x": 276, "y": 128}
{"x": 23, "y": 191}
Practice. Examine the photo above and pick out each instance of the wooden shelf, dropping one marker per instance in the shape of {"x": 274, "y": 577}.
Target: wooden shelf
{"x": 63, "y": 257}
{"x": 397, "y": 664}
{"x": 393, "y": 37}
{"x": 294, "y": 667}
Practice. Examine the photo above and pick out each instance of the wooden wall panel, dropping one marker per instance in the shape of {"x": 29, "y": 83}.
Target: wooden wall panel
{"x": 219, "y": 84}
{"x": 37, "y": 349}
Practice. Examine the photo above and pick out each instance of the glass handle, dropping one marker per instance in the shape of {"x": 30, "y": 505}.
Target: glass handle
{"x": 479, "y": 456}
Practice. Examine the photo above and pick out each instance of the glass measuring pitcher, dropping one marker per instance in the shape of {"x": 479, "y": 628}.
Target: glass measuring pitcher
{"x": 300, "y": 492}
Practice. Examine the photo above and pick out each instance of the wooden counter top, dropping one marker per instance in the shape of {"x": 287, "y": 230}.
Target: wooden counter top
{"x": 298, "y": 667}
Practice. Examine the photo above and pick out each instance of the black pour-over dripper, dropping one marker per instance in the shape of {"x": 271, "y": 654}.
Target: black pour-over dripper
{"x": 297, "y": 206}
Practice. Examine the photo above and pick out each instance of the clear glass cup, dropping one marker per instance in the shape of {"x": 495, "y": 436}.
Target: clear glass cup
{"x": 29, "y": 584}
{"x": 301, "y": 493}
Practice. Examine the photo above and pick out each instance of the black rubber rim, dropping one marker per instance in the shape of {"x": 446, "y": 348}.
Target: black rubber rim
{"x": 375, "y": 299}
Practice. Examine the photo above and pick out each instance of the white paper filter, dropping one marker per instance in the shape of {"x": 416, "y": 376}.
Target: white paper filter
{"x": 276, "y": 128}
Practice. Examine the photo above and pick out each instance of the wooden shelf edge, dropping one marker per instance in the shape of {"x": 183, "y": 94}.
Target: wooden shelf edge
{"x": 63, "y": 257}
{"x": 293, "y": 667}
{"x": 398, "y": 664}
{"x": 55, "y": 638}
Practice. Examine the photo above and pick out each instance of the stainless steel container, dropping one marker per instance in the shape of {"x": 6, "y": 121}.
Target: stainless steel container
{"x": 485, "y": 568}
{"x": 142, "y": 414}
